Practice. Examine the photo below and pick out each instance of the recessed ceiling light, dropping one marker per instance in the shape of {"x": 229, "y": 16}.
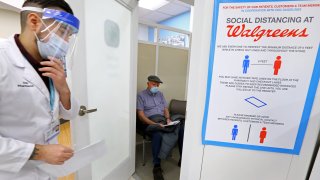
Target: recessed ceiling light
{"x": 152, "y": 4}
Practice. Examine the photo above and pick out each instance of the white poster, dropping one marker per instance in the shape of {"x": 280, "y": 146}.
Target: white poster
{"x": 263, "y": 74}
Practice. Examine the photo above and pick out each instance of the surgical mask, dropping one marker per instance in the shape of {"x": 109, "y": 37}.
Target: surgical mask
{"x": 55, "y": 47}
{"x": 154, "y": 90}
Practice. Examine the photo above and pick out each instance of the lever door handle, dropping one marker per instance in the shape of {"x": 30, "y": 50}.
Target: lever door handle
{"x": 83, "y": 110}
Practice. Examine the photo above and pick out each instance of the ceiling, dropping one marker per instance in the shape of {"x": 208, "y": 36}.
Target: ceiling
{"x": 8, "y": 7}
{"x": 11, "y": 5}
{"x": 173, "y": 8}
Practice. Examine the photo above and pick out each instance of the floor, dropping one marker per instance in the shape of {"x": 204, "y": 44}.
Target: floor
{"x": 171, "y": 170}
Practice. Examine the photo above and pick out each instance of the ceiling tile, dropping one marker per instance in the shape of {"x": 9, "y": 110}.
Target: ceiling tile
{"x": 155, "y": 17}
{"x": 173, "y": 9}
{"x": 177, "y": 2}
{"x": 144, "y": 12}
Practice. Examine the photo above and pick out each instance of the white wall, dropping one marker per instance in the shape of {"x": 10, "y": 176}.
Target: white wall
{"x": 220, "y": 163}
{"x": 143, "y": 32}
{"x": 10, "y": 23}
{"x": 192, "y": 148}
{"x": 315, "y": 174}
{"x": 191, "y": 18}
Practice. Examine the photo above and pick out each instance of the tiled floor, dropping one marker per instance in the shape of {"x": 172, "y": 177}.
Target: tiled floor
{"x": 171, "y": 170}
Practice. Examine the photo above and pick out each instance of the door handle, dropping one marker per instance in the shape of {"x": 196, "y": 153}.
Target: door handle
{"x": 83, "y": 110}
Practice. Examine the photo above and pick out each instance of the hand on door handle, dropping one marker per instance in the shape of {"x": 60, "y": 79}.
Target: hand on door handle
{"x": 83, "y": 110}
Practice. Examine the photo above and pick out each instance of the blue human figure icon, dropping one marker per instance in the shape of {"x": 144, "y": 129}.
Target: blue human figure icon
{"x": 245, "y": 64}
{"x": 234, "y": 132}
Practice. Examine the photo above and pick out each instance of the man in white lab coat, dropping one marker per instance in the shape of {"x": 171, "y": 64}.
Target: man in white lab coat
{"x": 33, "y": 90}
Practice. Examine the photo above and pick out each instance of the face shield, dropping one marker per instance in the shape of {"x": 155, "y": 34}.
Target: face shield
{"x": 57, "y": 36}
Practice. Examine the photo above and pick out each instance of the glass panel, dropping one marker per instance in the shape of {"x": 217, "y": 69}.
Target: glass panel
{"x": 173, "y": 38}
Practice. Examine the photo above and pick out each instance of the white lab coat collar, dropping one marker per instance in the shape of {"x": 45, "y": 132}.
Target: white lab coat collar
{"x": 30, "y": 73}
{"x": 19, "y": 59}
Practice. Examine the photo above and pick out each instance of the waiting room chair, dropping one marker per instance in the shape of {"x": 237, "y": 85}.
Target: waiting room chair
{"x": 177, "y": 107}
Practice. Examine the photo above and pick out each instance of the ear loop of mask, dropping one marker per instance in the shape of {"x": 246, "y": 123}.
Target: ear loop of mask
{"x": 50, "y": 31}
{"x": 47, "y": 29}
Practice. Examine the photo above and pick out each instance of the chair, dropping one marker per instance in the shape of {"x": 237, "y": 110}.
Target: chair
{"x": 177, "y": 107}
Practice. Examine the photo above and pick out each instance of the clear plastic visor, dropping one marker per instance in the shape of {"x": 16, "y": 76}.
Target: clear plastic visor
{"x": 58, "y": 30}
{"x": 58, "y": 26}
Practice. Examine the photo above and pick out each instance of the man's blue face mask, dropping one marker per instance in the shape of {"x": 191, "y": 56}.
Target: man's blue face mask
{"x": 154, "y": 90}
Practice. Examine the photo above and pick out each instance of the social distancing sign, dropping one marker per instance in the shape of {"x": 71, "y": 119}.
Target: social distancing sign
{"x": 263, "y": 74}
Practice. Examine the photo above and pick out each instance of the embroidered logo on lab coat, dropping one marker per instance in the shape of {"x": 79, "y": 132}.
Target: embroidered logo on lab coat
{"x": 25, "y": 84}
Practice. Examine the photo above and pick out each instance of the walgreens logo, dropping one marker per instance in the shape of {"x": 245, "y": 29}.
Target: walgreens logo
{"x": 258, "y": 32}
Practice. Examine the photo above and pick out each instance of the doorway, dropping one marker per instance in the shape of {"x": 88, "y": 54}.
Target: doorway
{"x": 166, "y": 55}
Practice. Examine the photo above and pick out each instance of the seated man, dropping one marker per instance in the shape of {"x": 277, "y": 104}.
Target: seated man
{"x": 151, "y": 105}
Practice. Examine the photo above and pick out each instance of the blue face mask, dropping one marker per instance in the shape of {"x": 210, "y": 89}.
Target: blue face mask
{"x": 55, "y": 47}
{"x": 154, "y": 90}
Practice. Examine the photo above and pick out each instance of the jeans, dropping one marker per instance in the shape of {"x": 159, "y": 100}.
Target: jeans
{"x": 156, "y": 138}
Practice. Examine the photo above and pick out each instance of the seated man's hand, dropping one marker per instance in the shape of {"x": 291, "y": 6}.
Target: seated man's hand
{"x": 161, "y": 125}
{"x": 169, "y": 121}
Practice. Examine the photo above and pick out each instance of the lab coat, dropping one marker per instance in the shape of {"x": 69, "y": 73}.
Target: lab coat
{"x": 25, "y": 114}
